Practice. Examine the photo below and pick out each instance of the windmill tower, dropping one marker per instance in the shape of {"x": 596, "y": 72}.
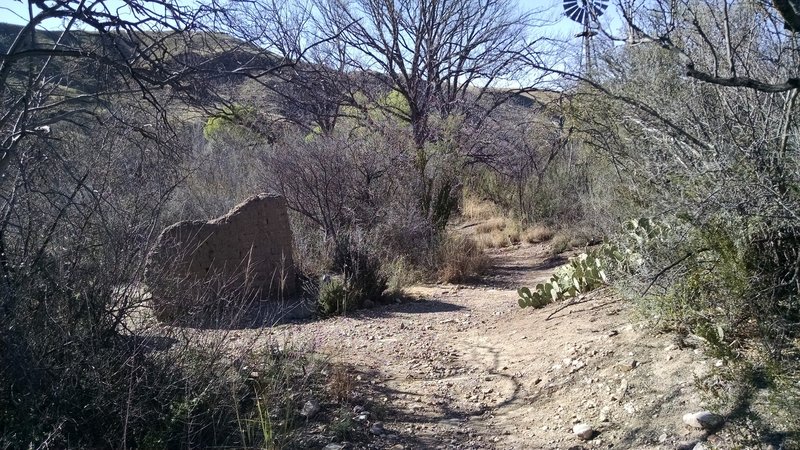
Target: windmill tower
{"x": 586, "y": 12}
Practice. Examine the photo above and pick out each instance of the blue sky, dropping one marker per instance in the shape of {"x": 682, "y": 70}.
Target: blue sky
{"x": 16, "y": 11}
{"x": 554, "y": 24}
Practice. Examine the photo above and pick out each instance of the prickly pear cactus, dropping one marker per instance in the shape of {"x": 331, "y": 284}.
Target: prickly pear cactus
{"x": 582, "y": 274}
{"x": 586, "y": 272}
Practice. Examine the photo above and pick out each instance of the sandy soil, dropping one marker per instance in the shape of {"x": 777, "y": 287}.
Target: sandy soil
{"x": 464, "y": 367}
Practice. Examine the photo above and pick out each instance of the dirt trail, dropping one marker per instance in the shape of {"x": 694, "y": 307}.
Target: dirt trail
{"x": 465, "y": 367}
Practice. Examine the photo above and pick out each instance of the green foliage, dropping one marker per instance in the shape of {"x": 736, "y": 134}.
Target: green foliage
{"x": 587, "y": 271}
{"x": 728, "y": 281}
{"x": 229, "y": 118}
{"x": 361, "y": 279}
{"x": 396, "y": 104}
{"x": 343, "y": 425}
{"x": 335, "y": 297}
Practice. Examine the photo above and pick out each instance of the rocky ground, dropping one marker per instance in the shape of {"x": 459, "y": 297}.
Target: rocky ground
{"x": 463, "y": 367}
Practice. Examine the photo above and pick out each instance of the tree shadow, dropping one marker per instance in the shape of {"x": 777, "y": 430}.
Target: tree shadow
{"x": 413, "y": 305}
{"x": 746, "y": 394}
{"x": 445, "y": 413}
{"x": 263, "y": 313}
{"x": 510, "y": 273}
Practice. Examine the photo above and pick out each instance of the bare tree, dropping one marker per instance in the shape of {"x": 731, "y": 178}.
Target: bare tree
{"x": 729, "y": 43}
{"x": 91, "y": 149}
{"x": 435, "y": 54}
{"x": 441, "y": 57}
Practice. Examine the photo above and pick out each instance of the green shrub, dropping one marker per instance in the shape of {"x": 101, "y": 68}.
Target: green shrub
{"x": 399, "y": 274}
{"x": 334, "y": 297}
{"x": 360, "y": 279}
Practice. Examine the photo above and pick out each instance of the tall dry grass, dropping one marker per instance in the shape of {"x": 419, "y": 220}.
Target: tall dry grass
{"x": 497, "y": 230}
{"x": 459, "y": 258}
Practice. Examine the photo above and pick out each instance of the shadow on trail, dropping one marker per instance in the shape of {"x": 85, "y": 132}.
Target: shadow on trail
{"x": 511, "y": 273}
{"x": 441, "y": 413}
{"x": 408, "y": 305}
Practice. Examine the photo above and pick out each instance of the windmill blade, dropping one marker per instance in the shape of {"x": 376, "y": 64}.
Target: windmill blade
{"x": 584, "y": 11}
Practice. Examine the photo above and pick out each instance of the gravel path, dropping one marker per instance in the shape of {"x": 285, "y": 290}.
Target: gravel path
{"x": 464, "y": 367}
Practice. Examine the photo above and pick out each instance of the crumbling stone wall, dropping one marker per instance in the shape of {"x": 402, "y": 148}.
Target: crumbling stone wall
{"x": 202, "y": 268}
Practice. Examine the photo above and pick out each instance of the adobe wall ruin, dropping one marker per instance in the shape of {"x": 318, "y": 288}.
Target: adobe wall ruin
{"x": 205, "y": 267}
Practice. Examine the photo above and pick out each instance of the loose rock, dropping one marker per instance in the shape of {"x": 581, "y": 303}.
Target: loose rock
{"x": 583, "y": 431}
{"x": 377, "y": 429}
{"x": 310, "y": 409}
{"x": 702, "y": 419}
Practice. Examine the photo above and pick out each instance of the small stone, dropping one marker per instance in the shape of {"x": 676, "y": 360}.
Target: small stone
{"x": 702, "y": 419}
{"x": 700, "y": 446}
{"x": 333, "y": 446}
{"x": 377, "y": 429}
{"x": 310, "y": 409}
{"x": 358, "y": 409}
{"x": 627, "y": 366}
{"x": 583, "y": 431}
{"x": 662, "y": 438}
{"x": 686, "y": 445}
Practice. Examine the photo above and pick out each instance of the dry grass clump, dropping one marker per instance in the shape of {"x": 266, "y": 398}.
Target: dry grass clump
{"x": 499, "y": 232}
{"x": 568, "y": 239}
{"x": 340, "y": 383}
{"x": 476, "y": 209}
{"x": 459, "y": 258}
{"x": 399, "y": 274}
{"x": 493, "y": 225}
{"x": 560, "y": 243}
{"x": 498, "y": 237}
{"x": 496, "y": 229}
{"x": 538, "y": 233}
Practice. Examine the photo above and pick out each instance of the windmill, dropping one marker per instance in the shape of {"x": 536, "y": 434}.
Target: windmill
{"x": 586, "y": 12}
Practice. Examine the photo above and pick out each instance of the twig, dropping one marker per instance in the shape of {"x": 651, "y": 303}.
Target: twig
{"x": 669, "y": 267}
{"x": 574, "y": 301}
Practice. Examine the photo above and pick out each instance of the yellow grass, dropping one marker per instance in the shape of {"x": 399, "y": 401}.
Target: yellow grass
{"x": 497, "y": 230}
{"x": 492, "y": 225}
{"x": 459, "y": 259}
{"x": 476, "y": 209}
{"x": 538, "y": 233}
